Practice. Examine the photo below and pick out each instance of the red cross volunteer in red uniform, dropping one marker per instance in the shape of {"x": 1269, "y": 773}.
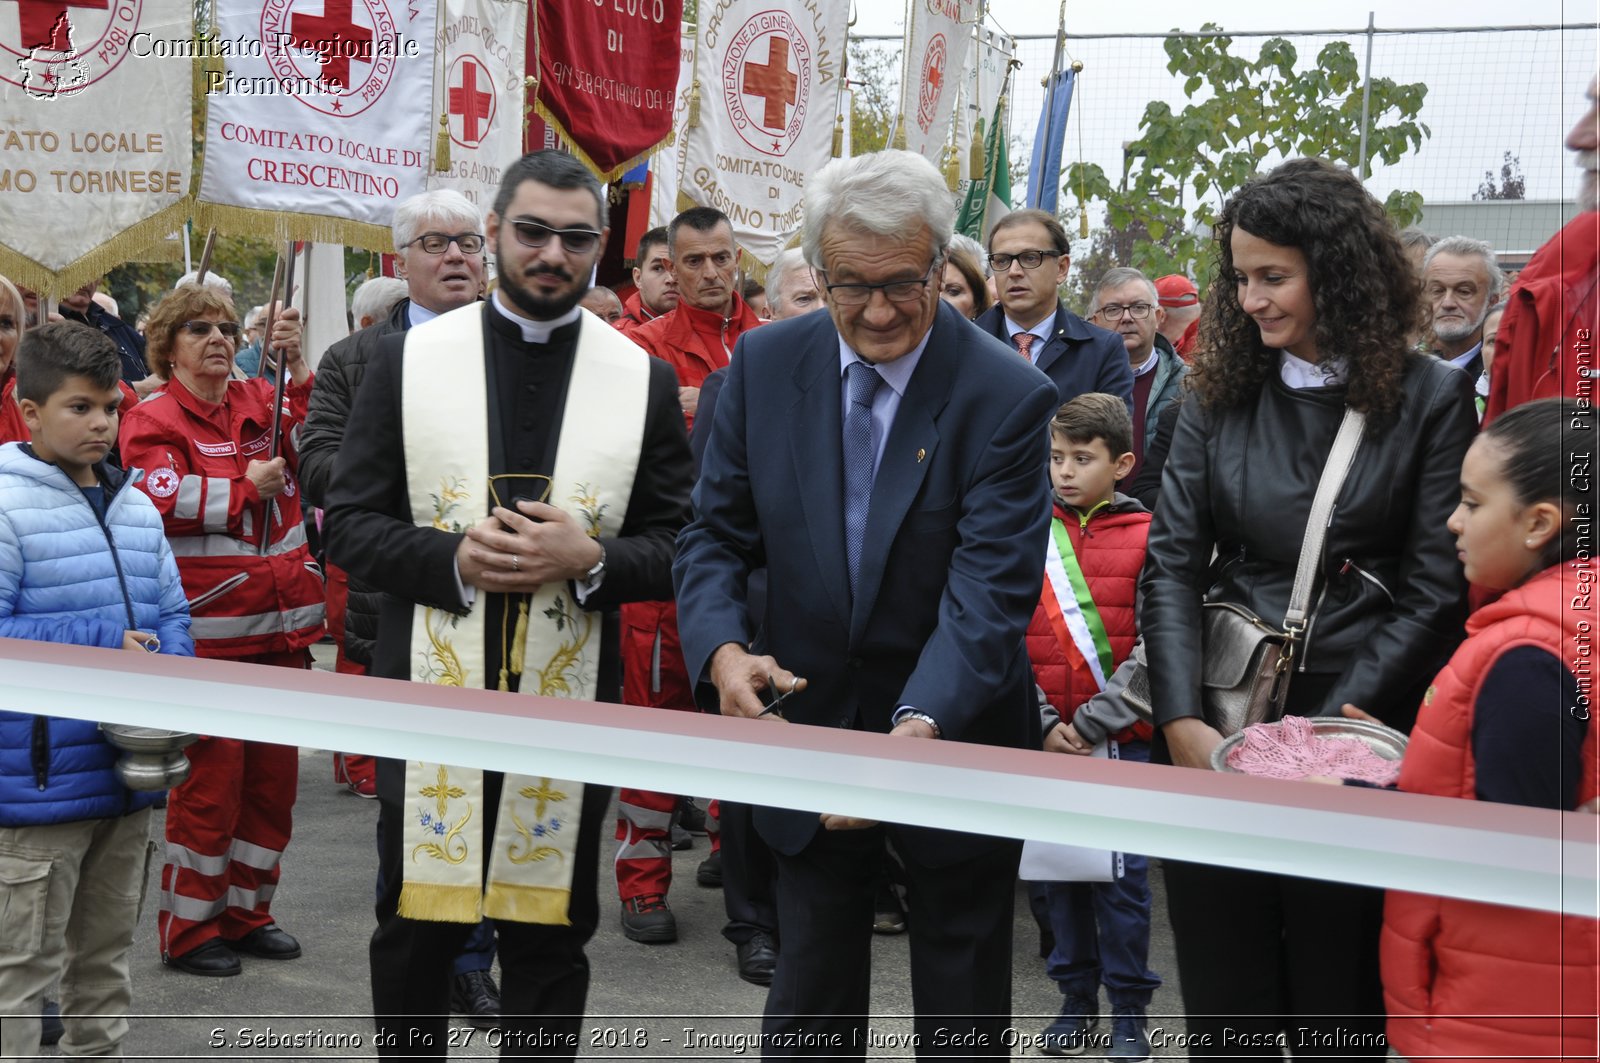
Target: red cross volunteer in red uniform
{"x": 205, "y": 439}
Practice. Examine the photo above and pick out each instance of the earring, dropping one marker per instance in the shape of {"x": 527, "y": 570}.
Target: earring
{"x": 1529, "y": 544}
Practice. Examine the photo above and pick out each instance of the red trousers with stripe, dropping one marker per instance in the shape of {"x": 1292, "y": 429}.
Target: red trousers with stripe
{"x": 653, "y": 675}
{"x": 347, "y": 767}
{"x": 227, "y": 827}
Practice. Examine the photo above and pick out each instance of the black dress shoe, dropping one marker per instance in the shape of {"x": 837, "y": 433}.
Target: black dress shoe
{"x": 214, "y": 959}
{"x": 758, "y": 958}
{"x": 691, "y": 817}
{"x": 475, "y": 995}
{"x": 709, "y": 873}
{"x": 270, "y": 942}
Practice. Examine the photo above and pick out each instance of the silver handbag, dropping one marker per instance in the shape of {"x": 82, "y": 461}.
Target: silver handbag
{"x": 1246, "y": 662}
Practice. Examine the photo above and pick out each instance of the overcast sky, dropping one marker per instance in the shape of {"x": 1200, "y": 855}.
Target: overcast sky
{"x": 1039, "y": 16}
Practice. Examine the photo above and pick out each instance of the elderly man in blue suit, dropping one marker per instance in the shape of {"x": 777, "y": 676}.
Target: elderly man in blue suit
{"x": 1029, "y": 254}
{"x": 884, "y": 462}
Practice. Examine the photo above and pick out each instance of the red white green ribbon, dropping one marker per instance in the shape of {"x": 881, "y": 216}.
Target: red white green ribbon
{"x": 1074, "y": 607}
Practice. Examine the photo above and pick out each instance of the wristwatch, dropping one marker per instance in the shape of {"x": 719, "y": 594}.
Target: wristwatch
{"x": 904, "y": 714}
{"x": 599, "y": 566}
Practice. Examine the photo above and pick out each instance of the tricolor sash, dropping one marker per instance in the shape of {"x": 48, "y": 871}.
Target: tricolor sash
{"x": 1074, "y": 618}
{"x": 444, "y": 404}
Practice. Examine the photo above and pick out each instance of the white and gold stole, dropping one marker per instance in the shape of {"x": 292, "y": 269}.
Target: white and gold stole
{"x": 444, "y": 402}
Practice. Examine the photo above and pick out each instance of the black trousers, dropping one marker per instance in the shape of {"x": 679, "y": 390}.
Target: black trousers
{"x": 749, "y": 878}
{"x": 960, "y": 928}
{"x": 544, "y": 974}
{"x": 1270, "y": 961}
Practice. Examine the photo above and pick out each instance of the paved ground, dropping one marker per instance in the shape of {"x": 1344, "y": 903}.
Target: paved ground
{"x": 323, "y": 998}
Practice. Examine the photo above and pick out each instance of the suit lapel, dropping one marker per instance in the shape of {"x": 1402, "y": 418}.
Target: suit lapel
{"x": 816, "y": 443}
{"x": 909, "y": 453}
{"x": 1056, "y": 344}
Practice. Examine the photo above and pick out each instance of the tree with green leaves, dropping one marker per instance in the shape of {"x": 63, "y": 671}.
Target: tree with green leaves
{"x": 1242, "y": 113}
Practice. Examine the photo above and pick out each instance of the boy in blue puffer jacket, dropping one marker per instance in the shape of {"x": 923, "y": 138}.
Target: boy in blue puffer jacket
{"x": 83, "y": 560}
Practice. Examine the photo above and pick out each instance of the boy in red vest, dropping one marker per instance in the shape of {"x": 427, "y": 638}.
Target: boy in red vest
{"x": 1082, "y": 630}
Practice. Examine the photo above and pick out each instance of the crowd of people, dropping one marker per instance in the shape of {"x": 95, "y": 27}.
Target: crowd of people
{"x": 899, "y": 486}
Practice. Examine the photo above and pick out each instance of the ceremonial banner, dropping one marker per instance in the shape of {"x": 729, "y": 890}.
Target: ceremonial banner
{"x": 95, "y": 144}
{"x": 988, "y": 197}
{"x": 937, "y": 35}
{"x": 666, "y": 166}
{"x": 607, "y": 74}
{"x": 320, "y": 118}
{"x": 484, "y": 48}
{"x": 991, "y": 55}
{"x": 768, "y": 73}
{"x": 1044, "y": 172}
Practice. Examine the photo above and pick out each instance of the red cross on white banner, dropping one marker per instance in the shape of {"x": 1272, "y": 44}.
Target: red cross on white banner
{"x": 774, "y": 83}
{"x": 335, "y": 31}
{"x": 44, "y": 22}
{"x": 472, "y": 104}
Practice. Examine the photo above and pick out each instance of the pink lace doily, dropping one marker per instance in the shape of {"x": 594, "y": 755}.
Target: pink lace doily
{"x": 1291, "y": 749}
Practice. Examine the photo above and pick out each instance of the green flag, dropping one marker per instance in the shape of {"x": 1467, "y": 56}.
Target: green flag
{"x": 988, "y": 196}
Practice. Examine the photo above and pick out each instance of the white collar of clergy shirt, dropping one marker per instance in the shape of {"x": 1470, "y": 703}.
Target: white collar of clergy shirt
{"x": 534, "y": 331}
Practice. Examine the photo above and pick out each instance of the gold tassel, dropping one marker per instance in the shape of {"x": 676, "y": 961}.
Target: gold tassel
{"x": 899, "y": 141}
{"x": 952, "y": 169}
{"x": 505, "y": 683}
{"x": 693, "y": 121}
{"x": 976, "y": 167}
{"x": 838, "y": 136}
{"x": 1083, "y": 224}
{"x": 519, "y": 638}
{"x": 441, "y": 145}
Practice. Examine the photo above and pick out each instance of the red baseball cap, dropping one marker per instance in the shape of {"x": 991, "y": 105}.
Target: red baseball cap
{"x": 1177, "y": 290}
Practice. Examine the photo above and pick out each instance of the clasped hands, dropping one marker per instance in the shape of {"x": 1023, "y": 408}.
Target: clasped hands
{"x": 741, "y": 677}
{"x": 515, "y": 551}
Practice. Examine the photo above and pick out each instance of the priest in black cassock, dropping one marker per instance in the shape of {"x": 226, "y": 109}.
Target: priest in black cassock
{"x": 512, "y": 472}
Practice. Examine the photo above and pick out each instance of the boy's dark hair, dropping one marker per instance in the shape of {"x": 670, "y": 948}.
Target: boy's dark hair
{"x": 1096, "y": 415}
{"x": 50, "y": 354}
{"x": 554, "y": 168}
{"x": 655, "y": 236}
{"x": 1540, "y": 444}
{"x": 700, "y": 219}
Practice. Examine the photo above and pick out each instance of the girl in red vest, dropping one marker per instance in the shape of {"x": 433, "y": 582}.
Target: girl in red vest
{"x": 1508, "y": 720}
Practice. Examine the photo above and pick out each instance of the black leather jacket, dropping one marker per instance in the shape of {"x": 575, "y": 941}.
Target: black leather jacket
{"x": 1390, "y": 600}
{"x": 333, "y": 396}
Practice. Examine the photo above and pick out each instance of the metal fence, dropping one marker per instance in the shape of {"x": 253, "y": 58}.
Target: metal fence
{"x": 1491, "y": 90}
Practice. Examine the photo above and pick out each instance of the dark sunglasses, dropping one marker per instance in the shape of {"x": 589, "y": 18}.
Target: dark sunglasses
{"x": 229, "y": 329}
{"x": 576, "y": 241}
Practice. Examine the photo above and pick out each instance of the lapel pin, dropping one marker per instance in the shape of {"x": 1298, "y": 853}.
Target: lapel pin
{"x": 920, "y": 455}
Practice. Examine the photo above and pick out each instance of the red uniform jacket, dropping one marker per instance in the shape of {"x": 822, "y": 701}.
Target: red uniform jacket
{"x": 1464, "y": 979}
{"x": 696, "y": 343}
{"x": 635, "y": 313}
{"x": 1547, "y": 334}
{"x": 12, "y": 428}
{"x": 1110, "y": 546}
{"x": 195, "y": 455}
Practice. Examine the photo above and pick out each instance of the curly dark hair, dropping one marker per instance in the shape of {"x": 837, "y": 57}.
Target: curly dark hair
{"x": 1365, "y": 292}
{"x": 183, "y": 303}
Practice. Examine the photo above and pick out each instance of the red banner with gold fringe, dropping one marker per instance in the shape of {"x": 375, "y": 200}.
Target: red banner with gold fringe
{"x": 607, "y": 76}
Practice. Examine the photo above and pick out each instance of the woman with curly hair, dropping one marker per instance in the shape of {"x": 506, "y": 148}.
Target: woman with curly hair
{"x": 231, "y": 509}
{"x": 1309, "y": 315}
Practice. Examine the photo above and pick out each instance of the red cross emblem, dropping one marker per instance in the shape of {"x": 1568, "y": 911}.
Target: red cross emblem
{"x": 469, "y": 101}
{"x": 46, "y": 23}
{"x": 934, "y": 60}
{"x": 340, "y": 36}
{"x": 768, "y": 59}
{"x": 344, "y": 48}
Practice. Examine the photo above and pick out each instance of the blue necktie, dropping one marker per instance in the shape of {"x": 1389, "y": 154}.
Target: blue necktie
{"x": 859, "y": 458}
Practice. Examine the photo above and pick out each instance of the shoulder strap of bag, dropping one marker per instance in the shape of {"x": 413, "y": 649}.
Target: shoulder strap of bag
{"x": 1340, "y": 458}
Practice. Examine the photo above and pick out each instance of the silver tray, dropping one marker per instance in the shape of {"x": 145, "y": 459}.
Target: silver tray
{"x": 131, "y": 739}
{"x": 1384, "y": 741}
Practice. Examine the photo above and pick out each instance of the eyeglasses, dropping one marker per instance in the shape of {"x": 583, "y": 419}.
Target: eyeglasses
{"x": 576, "y": 241}
{"x": 1029, "y": 259}
{"x": 199, "y": 329}
{"x": 1114, "y": 311}
{"x": 894, "y": 291}
{"x": 439, "y": 243}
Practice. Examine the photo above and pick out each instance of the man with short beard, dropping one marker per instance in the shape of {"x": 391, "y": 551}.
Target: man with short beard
{"x": 1460, "y": 281}
{"x": 1546, "y": 343}
{"x": 512, "y": 472}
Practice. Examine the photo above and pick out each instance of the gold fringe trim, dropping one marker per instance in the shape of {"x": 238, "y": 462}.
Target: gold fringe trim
{"x": 96, "y": 263}
{"x": 435, "y": 902}
{"x": 755, "y": 270}
{"x": 544, "y": 905}
{"x": 281, "y": 225}
{"x": 606, "y": 176}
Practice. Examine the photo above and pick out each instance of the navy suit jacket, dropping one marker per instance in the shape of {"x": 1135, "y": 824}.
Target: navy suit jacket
{"x": 951, "y": 560}
{"x": 1079, "y": 357}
